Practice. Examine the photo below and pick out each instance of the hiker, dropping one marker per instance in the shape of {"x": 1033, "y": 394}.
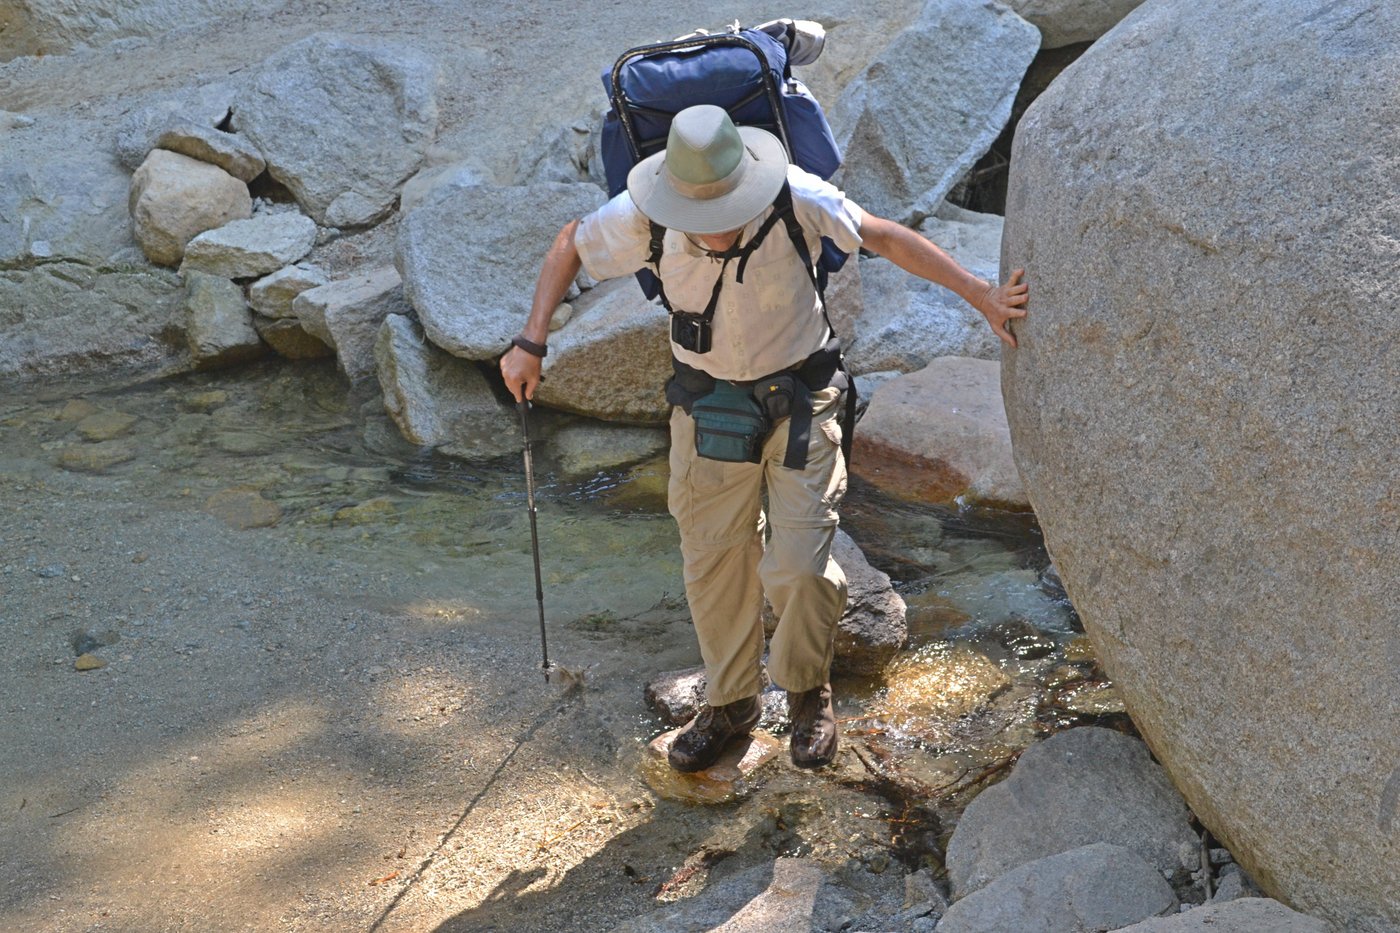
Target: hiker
{"x": 713, "y": 189}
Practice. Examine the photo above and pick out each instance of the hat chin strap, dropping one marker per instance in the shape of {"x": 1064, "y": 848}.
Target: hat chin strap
{"x": 713, "y": 189}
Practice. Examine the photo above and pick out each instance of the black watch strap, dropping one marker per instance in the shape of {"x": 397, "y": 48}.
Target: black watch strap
{"x": 530, "y": 347}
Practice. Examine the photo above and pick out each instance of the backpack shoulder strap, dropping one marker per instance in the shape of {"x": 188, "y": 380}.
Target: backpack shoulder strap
{"x": 658, "y": 236}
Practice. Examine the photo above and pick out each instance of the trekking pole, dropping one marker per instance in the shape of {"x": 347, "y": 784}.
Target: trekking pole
{"x": 524, "y": 407}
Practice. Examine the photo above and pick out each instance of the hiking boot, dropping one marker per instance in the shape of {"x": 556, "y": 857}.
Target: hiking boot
{"x": 702, "y": 742}
{"x": 813, "y": 727}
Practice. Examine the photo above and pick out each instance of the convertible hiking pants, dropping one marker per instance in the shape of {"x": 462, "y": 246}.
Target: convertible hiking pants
{"x": 728, "y": 567}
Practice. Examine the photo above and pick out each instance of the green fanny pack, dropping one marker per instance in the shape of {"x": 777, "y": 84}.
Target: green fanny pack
{"x": 730, "y": 425}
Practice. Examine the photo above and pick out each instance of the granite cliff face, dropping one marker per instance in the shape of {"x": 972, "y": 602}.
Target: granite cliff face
{"x": 1204, "y": 410}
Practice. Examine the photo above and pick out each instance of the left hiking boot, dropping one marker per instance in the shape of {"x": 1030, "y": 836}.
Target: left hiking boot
{"x": 813, "y": 727}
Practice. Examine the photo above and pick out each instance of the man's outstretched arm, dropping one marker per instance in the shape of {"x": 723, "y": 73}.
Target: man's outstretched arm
{"x": 520, "y": 369}
{"x": 914, "y": 254}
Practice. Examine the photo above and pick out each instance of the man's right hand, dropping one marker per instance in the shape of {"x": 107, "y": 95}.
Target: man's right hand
{"x": 521, "y": 372}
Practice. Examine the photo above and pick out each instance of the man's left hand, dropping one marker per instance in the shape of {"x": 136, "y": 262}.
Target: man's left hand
{"x": 1003, "y": 303}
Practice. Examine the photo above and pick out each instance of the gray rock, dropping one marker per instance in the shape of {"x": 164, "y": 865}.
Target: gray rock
{"x": 288, "y": 339}
{"x": 559, "y": 153}
{"x": 677, "y": 695}
{"x": 174, "y": 198}
{"x": 232, "y": 153}
{"x": 612, "y": 360}
{"x": 1218, "y": 489}
{"x": 342, "y": 123}
{"x": 469, "y": 258}
{"x": 908, "y": 321}
{"x": 347, "y": 315}
{"x": 55, "y": 27}
{"x": 70, "y": 318}
{"x": 908, "y": 134}
{"x": 1232, "y": 884}
{"x": 845, "y": 301}
{"x": 254, "y": 247}
{"x": 220, "y": 329}
{"x": 272, "y": 295}
{"x": 872, "y": 629}
{"x": 1249, "y": 915}
{"x": 940, "y": 435}
{"x": 433, "y": 397}
{"x": 1085, "y": 890}
{"x": 428, "y": 181}
{"x": 585, "y": 449}
{"x": 1077, "y": 787}
{"x": 204, "y": 105}
{"x": 1065, "y": 22}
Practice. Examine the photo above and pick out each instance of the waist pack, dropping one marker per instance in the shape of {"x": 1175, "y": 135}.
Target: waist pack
{"x": 730, "y": 425}
{"x": 745, "y": 71}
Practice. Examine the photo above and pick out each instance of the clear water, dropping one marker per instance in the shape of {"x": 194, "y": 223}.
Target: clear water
{"x": 994, "y": 660}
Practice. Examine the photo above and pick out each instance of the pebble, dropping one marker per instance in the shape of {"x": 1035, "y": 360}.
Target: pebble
{"x": 53, "y": 570}
{"x": 242, "y": 507}
{"x": 89, "y": 662}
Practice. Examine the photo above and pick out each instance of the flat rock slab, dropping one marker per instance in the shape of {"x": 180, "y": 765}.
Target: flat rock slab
{"x": 909, "y": 136}
{"x": 469, "y": 258}
{"x": 250, "y": 248}
{"x": 1077, "y": 787}
{"x": 1246, "y": 915}
{"x": 1085, "y": 890}
{"x": 940, "y": 435}
{"x": 725, "y": 780}
{"x": 230, "y": 152}
{"x": 342, "y": 123}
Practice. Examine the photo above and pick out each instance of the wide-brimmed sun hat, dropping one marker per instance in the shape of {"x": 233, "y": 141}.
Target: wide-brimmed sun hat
{"x": 713, "y": 177}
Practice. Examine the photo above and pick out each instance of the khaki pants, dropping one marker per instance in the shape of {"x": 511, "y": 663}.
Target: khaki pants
{"x": 728, "y": 568}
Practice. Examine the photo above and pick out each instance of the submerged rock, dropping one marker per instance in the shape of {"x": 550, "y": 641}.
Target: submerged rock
{"x": 727, "y": 779}
{"x": 1219, "y": 489}
{"x": 243, "y": 507}
{"x": 940, "y": 435}
{"x": 342, "y": 123}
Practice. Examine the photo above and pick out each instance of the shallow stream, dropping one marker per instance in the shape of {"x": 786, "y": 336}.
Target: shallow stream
{"x": 995, "y": 657}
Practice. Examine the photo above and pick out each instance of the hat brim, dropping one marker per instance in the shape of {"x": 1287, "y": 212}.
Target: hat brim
{"x": 651, "y": 191}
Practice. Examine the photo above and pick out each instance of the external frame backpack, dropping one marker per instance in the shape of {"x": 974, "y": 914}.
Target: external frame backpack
{"x": 747, "y": 72}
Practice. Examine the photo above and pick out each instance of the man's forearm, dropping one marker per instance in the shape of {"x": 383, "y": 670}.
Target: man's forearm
{"x": 915, "y": 254}
{"x": 561, "y": 265}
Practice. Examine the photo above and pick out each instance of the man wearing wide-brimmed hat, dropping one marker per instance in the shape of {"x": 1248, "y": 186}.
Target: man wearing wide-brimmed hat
{"x": 713, "y": 191}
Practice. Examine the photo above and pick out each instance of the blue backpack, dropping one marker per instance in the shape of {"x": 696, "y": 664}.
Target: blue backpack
{"x": 748, "y": 73}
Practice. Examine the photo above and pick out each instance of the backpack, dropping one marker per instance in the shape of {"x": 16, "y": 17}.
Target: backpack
{"x": 745, "y": 71}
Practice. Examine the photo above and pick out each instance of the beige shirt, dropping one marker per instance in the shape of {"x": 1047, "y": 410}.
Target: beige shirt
{"x": 770, "y": 322}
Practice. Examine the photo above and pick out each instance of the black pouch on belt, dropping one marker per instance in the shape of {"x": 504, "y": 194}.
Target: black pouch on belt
{"x": 730, "y": 425}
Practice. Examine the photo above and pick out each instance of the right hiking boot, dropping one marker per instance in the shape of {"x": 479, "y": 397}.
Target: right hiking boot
{"x": 701, "y": 743}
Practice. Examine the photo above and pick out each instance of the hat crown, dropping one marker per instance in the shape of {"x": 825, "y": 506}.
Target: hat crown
{"x": 703, "y": 146}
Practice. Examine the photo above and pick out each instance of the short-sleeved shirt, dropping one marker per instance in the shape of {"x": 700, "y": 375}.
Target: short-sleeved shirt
{"x": 774, "y": 319}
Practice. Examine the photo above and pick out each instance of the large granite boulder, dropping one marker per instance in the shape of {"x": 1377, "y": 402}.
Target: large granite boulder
{"x": 612, "y": 360}
{"x": 1204, "y": 411}
{"x": 1066, "y": 22}
{"x": 470, "y": 256}
{"x": 342, "y": 123}
{"x": 919, "y": 116}
{"x": 174, "y": 198}
{"x": 939, "y": 435}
